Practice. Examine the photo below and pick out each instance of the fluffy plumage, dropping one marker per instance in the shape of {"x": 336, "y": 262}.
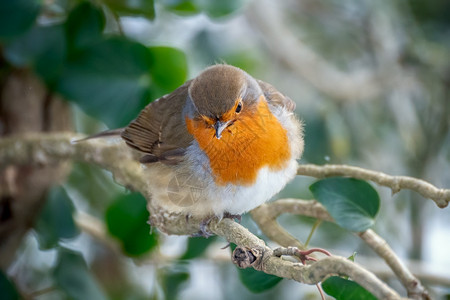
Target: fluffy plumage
{"x": 193, "y": 169}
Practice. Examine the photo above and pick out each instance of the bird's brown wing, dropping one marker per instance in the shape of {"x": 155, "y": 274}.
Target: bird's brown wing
{"x": 160, "y": 131}
{"x": 274, "y": 97}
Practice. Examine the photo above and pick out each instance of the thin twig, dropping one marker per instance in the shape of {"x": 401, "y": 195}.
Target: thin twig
{"x": 313, "y": 229}
{"x": 41, "y": 292}
{"x": 47, "y": 149}
{"x": 95, "y": 228}
{"x": 314, "y": 209}
{"x": 304, "y": 61}
{"x": 310, "y": 274}
{"x": 413, "y": 286}
{"x": 440, "y": 196}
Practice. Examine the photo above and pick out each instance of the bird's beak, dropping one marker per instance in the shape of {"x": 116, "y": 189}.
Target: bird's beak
{"x": 219, "y": 127}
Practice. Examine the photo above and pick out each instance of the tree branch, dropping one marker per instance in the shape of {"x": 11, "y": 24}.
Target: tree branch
{"x": 297, "y": 56}
{"x": 95, "y": 228}
{"x": 414, "y": 287}
{"x": 267, "y": 262}
{"x": 266, "y": 214}
{"x": 440, "y": 196}
{"x": 120, "y": 160}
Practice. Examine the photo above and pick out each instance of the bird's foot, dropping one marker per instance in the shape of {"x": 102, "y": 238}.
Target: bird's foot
{"x": 204, "y": 232}
{"x": 237, "y": 218}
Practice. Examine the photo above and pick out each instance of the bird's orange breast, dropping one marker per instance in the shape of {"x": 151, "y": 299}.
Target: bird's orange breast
{"x": 255, "y": 140}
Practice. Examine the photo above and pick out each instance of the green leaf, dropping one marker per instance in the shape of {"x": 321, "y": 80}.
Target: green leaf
{"x": 84, "y": 25}
{"x": 219, "y": 8}
{"x": 91, "y": 181}
{"x": 43, "y": 48}
{"x": 344, "y": 289}
{"x": 353, "y": 203}
{"x": 55, "y": 221}
{"x": 256, "y": 281}
{"x": 126, "y": 220}
{"x": 352, "y": 257}
{"x": 74, "y": 278}
{"x": 173, "y": 279}
{"x": 110, "y": 80}
{"x": 181, "y": 7}
{"x": 213, "y": 8}
{"x": 7, "y": 288}
{"x": 17, "y": 16}
{"x": 197, "y": 246}
{"x": 113, "y": 79}
{"x": 169, "y": 68}
{"x": 144, "y": 8}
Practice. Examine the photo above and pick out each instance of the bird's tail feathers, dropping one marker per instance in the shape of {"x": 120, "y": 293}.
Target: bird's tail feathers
{"x": 106, "y": 133}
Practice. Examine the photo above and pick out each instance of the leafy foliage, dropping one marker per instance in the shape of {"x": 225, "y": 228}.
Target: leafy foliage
{"x": 93, "y": 70}
{"x": 213, "y": 8}
{"x": 168, "y": 68}
{"x": 126, "y": 220}
{"x": 257, "y": 281}
{"x": 74, "y": 278}
{"x": 56, "y": 221}
{"x": 84, "y": 26}
{"x": 353, "y": 203}
{"x": 41, "y": 48}
{"x": 112, "y": 77}
{"x": 114, "y": 70}
{"x": 144, "y": 8}
{"x": 7, "y": 288}
{"x": 17, "y": 16}
{"x": 197, "y": 246}
{"x": 174, "y": 278}
{"x": 344, "y": 289}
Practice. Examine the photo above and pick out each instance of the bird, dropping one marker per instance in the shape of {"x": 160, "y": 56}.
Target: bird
{"x": 219, "y": 145}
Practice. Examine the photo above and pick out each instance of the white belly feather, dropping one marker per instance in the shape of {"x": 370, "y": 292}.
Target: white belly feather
{"x": 189, "y": 188}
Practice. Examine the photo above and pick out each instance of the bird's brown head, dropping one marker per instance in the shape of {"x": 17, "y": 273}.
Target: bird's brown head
{"x": 221, "y": 93}
{"x": 231, "y": 121}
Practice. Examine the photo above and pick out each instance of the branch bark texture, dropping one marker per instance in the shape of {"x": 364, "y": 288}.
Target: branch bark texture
{"x": 396, "y": 183}
{"x": 49, "y": 149}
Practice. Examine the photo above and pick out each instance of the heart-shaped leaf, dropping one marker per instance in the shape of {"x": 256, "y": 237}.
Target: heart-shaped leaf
{"x": 353, "y": 203}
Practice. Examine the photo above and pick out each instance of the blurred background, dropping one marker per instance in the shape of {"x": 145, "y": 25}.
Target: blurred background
{"x": 371, "y": 80}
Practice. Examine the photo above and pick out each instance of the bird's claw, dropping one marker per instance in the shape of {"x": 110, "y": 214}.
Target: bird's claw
{"x": 237, "y": 218}
{"x": 204, "y": 232}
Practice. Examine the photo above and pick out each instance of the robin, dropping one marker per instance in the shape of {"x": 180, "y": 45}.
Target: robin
{"x": 219, "y": 145}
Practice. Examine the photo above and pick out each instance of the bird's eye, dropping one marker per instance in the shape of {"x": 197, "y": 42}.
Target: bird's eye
{"x": 239, "y": 107}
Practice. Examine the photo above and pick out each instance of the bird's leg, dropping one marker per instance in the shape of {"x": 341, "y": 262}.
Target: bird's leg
{"x": 237, "y": 218}
{"x": 204, "y": 232}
